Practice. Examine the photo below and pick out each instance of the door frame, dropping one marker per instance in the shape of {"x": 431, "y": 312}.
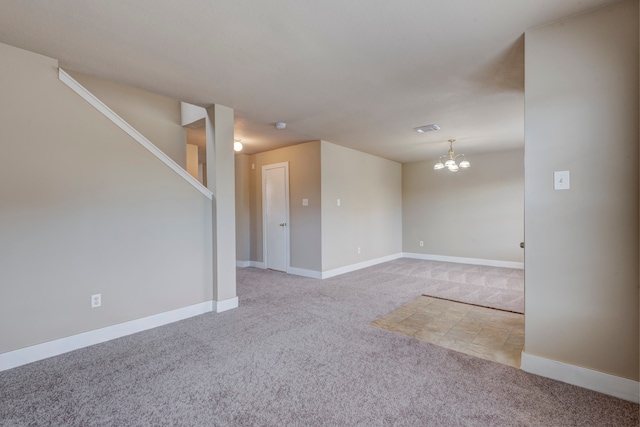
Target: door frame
{"x": 287, "y": 228}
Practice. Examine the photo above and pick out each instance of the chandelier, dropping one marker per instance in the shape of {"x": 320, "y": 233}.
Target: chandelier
{"x": 450, "y": 163}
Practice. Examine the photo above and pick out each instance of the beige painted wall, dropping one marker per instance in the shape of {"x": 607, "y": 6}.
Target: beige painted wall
{"x": 304, "y": 183}
{"x": 370, "y": 214}
{"x": 154, "y": 116}
{"x": 473, "y": 213}
{"x": 192, "y": 161}
{"x": 98, "y": 214}
{"x": 243, "y": 207}
{"x": 581, "y": 106}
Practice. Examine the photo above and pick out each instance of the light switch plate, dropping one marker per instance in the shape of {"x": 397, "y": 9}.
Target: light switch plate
{"x": 305, "y": 202}
{"x": 561, "y": 180}
{"x": 338, "y": 202}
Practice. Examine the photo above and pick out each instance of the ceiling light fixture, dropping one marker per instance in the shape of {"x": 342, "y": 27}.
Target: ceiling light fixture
{"x": 426, "y": 128}
{"x": 281, "y": 125}
{"x": 237, "y": 145}
{"x": 450, "y": 163}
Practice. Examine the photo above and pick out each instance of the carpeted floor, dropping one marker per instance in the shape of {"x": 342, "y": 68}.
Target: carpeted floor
{"x": 297, "y": 352}
{"x": 494, "y": 287}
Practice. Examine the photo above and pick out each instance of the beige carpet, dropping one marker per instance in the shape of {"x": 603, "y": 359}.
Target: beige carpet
{"x": 297, "y": 352}
{"x": 494, "y": 287}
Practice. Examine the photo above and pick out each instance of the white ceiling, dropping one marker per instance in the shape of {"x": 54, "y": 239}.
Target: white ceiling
{"x": 359, "y": 73}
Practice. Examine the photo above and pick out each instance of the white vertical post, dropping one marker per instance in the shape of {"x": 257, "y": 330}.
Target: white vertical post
{"x": 221, "y": 182}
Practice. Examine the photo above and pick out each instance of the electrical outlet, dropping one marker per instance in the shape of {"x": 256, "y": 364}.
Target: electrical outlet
{"x": 421, "y": 243}
{"x": 358, "y": 249}
{"x": 96, "y": 300}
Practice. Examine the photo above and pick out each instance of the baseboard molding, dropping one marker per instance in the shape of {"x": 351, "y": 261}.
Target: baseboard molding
{"x": 461, "y": 260}
{"x": 245, "y": 264}
{"x": 224, "y": 305}
{"x": 612, "y": 385}
{"x": 305, "y": 273}
{"x": 364, "y": 264}
{"x": 48, "y": 349}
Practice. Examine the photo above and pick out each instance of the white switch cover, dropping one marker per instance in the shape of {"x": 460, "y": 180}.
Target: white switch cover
{"x": 338, "y": 202}
{"x": 253, "y": 166}
{"x": 305, "y": 202}
{"x": 561, "y": 180}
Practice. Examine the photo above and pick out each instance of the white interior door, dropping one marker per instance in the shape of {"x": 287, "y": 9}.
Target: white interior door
{"x": 275, "y": 207}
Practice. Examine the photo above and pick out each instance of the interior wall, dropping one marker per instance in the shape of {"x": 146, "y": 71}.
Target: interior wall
{"x": 304, "y": 183}
{"x": 581, "y": 107}
{"x": 156, "y": 117}
{"x": 370, "y": 213}
{"x": 97, "y": 214}
{"x": 243, "y": 208}
{"x": 473, "y": 213}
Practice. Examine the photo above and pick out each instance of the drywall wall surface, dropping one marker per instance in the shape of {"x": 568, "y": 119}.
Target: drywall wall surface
{"x": 473, "y": 213}
{"x": 243, "y": 208}
{"x": 156, "y": 117}
{"x": 95, "y": 213}
{"x": 370, "y": 213}
{"x": 304, "y": 183}
{"x": 581, "y": 257}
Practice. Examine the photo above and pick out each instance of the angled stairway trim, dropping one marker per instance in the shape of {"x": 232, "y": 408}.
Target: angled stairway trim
{"x": 122, "y": 124}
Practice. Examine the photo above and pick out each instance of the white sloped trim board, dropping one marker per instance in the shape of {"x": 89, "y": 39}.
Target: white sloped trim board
{"x": 364, "y": 264}
{"x": 313, "y": 274}
{"x": 130, "y": 130}
{"x": 612, "y": 385}
{"x": 48, "y": 349}
{"x": 461, "y": 260}
{"x": 243, "y": 264}
{"x": 224, "y": 305}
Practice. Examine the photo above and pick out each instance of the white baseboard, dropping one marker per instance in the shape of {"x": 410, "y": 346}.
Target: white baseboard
{"x": 360, "y": 265}
{"x": 612, "y": 385}
{"x": 245, "y": 264}
{"x": 224, "y": 305}
{"x": 48, "y": 349}
{"x": 305, "y": 273}
{"x": 461, "y": 260}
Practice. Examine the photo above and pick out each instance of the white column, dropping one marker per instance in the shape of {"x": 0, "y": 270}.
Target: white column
{"x": 221, "y": 182}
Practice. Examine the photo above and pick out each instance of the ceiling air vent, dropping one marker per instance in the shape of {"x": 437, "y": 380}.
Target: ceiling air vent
{"x": 426, "y": 128}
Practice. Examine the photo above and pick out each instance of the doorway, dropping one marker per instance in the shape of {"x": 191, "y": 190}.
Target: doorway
{"x": 275, "y": 216}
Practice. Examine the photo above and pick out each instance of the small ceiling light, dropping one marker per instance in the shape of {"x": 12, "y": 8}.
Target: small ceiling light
{"x": 281, "y": 125}
{"x": 450, "y": 163}
{"x": 426, "y": 128}
{"x": 237, "y": 145}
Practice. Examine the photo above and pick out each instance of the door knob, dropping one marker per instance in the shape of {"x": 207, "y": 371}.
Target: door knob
{"x": 282, "y": 224}
{"x": 522, "y": 245}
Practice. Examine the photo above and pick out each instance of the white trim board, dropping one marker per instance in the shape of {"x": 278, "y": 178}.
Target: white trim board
{"x": 582, "y": 377}
{"x": 245, "y": 264}
{"x": 461, "y": 260}
{"x": 48, "y": 349}
{"x": 364, "y": 264}
{"x": 224, "y": 305}
{"x": 130, "y": 130}
{"x": 313, "y": 274}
